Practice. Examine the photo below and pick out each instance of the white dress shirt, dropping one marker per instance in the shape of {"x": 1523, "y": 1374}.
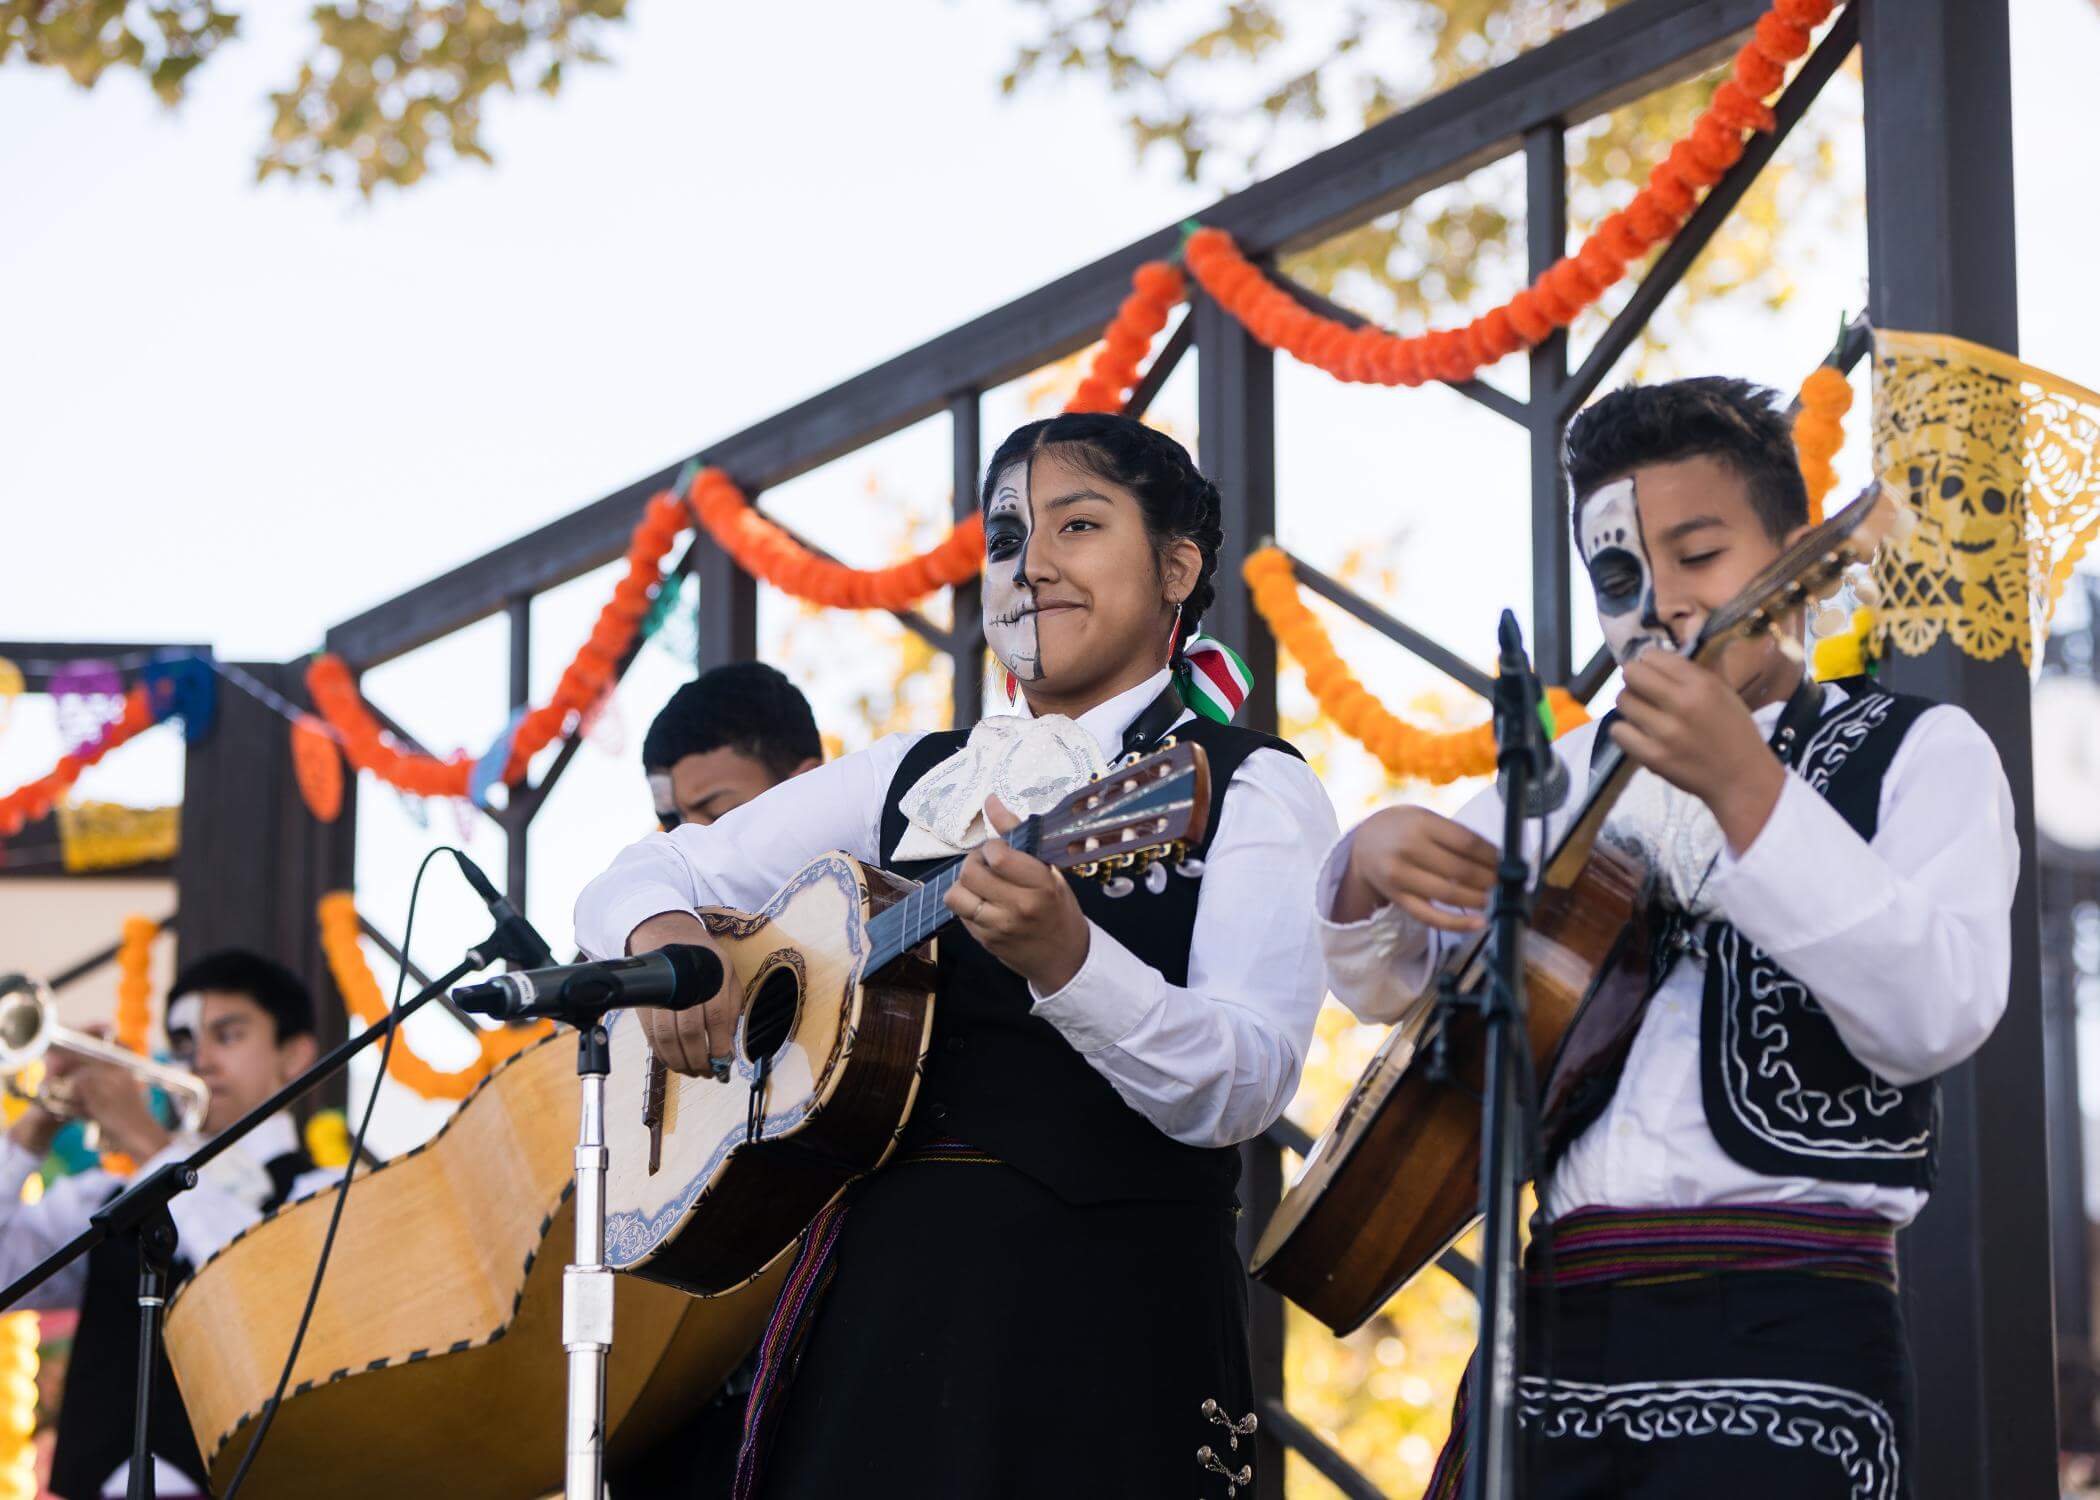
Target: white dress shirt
{"x": 1210, "y": 1063}
{"x": 1905, "y": 942}
{"x": 227, "y": 1199}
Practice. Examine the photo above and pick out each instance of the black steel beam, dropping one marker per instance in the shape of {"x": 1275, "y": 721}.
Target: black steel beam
{"x": 1976, "y": 1267}
{"x": 1546, "y": 242}
{"x": 1162, "y": 367}
{"x": 1713, "y": 210}
{"x": 1589, "y": 682}
{"x": 1445, "y": 660}
{"x": 966, "y": 601}
{"x": 1315, "y": 1450}
{"x": 1631, "y": 51}
{"x": 728, "y": 607}
{"x": 74, "y": 973}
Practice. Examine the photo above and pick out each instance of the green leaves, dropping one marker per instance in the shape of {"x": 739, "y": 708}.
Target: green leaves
{"x": 390, "y": 91}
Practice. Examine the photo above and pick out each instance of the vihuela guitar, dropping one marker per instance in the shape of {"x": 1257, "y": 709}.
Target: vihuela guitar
{"x": 710, "y": 1183}
{"x": 1396, "y": 1178}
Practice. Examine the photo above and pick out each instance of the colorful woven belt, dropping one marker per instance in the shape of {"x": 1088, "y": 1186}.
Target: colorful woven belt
{"x": 1643, "y": 1247}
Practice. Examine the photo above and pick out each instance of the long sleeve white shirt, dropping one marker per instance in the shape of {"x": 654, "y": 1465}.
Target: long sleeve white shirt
{"x": 1904, "y": 940}
{"x": 1210, "y": 1063}
{"x": 227, "y": 1199}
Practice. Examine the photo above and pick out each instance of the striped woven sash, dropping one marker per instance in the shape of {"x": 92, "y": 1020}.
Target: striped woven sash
{"x": 1644, "y": 1247}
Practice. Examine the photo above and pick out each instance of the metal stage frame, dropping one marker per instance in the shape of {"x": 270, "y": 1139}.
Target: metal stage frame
{"x": 1976, "y": 1268}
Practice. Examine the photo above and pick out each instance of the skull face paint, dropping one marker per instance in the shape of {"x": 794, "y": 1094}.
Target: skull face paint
{"x": 1609, "y": 538}
{"x": 1009, "y": 601}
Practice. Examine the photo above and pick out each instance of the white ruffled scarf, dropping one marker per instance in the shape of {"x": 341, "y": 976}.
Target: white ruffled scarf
{"x": 1030, "y": 764}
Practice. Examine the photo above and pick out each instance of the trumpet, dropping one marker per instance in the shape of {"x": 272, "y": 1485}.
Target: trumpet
{"x": 29, "y": 1028}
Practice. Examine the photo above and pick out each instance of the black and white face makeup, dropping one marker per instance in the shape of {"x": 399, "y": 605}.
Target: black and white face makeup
{"x": 1617, "y": 558}
{"x": 1009, "y": 601}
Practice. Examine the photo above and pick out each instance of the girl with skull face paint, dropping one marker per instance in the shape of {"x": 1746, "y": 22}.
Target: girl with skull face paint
{"x": 1067, "y": 1176}
{"x": 1834, "y": 872}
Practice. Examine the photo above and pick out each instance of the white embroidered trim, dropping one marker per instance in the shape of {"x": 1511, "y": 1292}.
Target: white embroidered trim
{"x": 1835, "y": 1422}
{"x": 1839, "y": 735}
{"x": 1772, "y": 992}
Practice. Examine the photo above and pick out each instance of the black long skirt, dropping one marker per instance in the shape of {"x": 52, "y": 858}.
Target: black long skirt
{"x": 979, "y": 1336}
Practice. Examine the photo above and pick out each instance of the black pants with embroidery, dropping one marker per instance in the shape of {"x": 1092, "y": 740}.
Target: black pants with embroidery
{"x": 1729, "y": 1387}
{"x": 982, "y": 1337}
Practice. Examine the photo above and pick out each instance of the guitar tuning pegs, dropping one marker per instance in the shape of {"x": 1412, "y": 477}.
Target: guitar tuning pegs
{"x": 1116, "y": 887}
{"x": 1867, "y": 592}
{"x": 1789, "y": 646}
{"x": 1189, "y": 869}
{"x": 1156, "y": 878}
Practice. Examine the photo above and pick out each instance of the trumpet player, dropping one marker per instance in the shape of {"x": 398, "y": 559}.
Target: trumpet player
{"x": 245, "y": 1026}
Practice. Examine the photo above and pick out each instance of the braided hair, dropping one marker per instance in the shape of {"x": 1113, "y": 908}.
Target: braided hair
{"x": 1176, "y": 500}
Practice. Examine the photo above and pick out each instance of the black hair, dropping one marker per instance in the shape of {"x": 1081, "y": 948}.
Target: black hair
{"x": 1176, "y": 500}
{"x": 237, "y": 971}
{"x": 1738, "y": 422}
{"x": 747, "y": 707}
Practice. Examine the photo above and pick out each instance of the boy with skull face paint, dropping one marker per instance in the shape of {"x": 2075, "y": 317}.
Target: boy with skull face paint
{"x": 1834, "y": 872}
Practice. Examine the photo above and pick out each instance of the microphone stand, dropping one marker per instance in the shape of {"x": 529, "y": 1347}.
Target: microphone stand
{"x": 1492, "y": 1467}
{"x": 587, "y": 1282}
{"x": 140, "y": 1212}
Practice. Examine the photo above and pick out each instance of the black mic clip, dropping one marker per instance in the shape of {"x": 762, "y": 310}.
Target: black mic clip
{"x": 1521, "y": 738}
{"x": 515, "y": 940}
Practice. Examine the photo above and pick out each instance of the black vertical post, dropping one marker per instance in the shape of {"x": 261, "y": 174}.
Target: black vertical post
{"x": 517, "y": 817}
{"x": 1236, "y": 440}
{"x": 966, "y": 624}
{"x": 2075, "y": 1384}
{"x": 728, "y": 607}
{"x": 1976, "y": 1272}
{"x": 254, "y": 863}
{"x": 1546, "y": 241}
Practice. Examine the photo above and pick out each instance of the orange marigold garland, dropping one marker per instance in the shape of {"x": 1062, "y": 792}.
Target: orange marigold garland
{"x": 340, "y": 942}
{"x": 765, "y": 551}
{"x": 1406, "y": 751}
{"x": 758, "y": 546}
{"x": 1369, "y": 355}
{"x": 134, "y": 1018}
{"x": 1819, "y": 432}
{"x": 35, "y": 799}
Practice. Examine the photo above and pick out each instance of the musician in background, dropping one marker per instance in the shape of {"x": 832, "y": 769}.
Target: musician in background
{"x": 1040, "y": 1294}
{"x": 245, "y": 1026}
{"x": 731, "y": 734}
{"x": 725, "y": 737}
{"x": 1836, "y": 866}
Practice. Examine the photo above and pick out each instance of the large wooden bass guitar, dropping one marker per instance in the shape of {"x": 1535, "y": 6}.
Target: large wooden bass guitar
{"x": 1396, "y": 1178}
{"x": 711, "y": 1182}
{"x": 434, "y": 1362}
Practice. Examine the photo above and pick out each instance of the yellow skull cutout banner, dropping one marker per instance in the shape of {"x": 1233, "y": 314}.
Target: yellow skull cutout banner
{"x": 2000, "y": 462}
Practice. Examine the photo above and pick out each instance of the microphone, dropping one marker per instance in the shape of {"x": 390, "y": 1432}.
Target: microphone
{"x": 676, "y": 977}
{"x": 1519, "y": 704}
{"x": 515, "y": 938}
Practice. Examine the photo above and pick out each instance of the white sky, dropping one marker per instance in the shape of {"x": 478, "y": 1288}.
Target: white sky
{"x": 237, "y": 415}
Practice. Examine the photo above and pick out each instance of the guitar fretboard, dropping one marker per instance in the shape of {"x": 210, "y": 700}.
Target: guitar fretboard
{"x": 924, "y": 910}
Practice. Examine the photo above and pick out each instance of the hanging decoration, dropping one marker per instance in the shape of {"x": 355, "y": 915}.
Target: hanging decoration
{"x": 1370, "y": 355}
{"x": 341, "y": 943}
{"x": 89, "y": 696}
{"x": 35, "y": 799}
{"x": 1407, "y": 752}
{"x": 182, "y": 685}
{"x": 1819, "y": 432}
{"x": 111, "y": 836}
{"x": 328, "y": 1139}
{"x": 2000, "y": 463}
{"x": 133, "y": 1027}
{"x": 318, "y": 768}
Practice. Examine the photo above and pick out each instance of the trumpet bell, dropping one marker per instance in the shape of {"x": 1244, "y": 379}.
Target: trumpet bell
{"x": 25, "y": 1020}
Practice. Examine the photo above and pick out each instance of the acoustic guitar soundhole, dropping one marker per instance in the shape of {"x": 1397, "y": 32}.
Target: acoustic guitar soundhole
{"x": 770, "y": 1017}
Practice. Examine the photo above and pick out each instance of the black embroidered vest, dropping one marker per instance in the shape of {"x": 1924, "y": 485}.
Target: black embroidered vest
{"x": 96, "y": 1403}
{"x": 1784, "y": 1096}
{"x": 1008, "y": 1082}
